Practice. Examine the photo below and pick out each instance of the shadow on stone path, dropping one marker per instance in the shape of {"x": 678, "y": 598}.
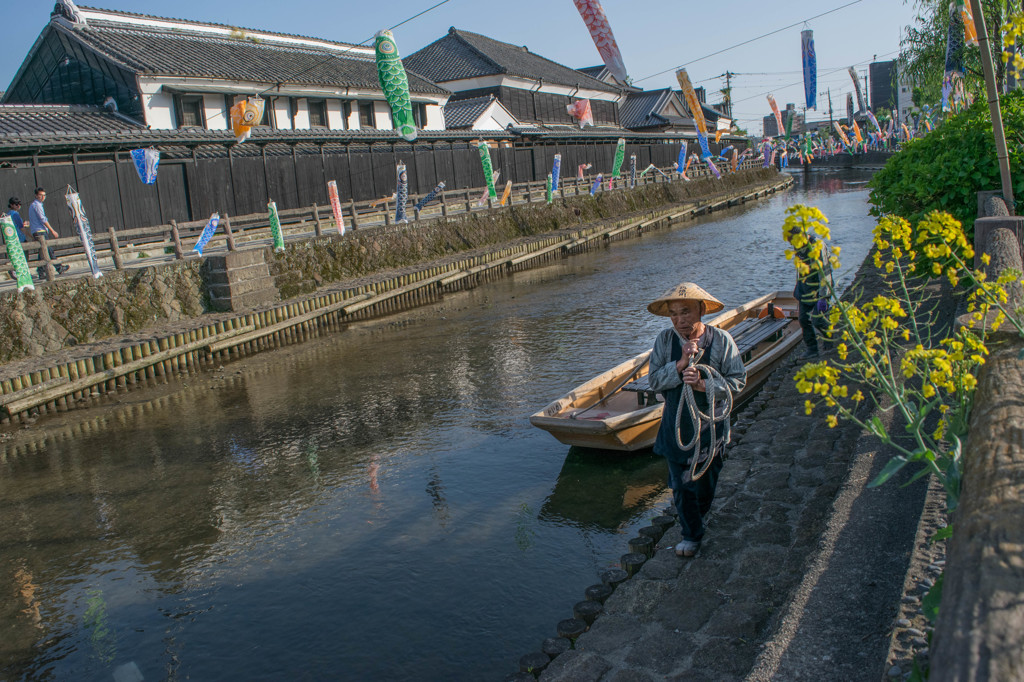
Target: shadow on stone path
{"x": 772, "y": 537}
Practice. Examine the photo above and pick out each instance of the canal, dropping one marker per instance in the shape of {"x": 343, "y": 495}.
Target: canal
{"x": 369, "y": 505}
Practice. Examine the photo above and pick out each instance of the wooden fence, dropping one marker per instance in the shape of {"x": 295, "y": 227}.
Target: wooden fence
{"x": 175, "y": 241}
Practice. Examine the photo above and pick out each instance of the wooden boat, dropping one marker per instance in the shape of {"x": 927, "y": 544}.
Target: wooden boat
{"x": 618, "y": 411}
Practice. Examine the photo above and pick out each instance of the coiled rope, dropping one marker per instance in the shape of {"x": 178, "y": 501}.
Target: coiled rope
{"x": 713, "y": 380}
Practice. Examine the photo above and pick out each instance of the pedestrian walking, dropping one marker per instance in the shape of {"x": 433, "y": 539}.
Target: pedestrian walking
{"x": 811, "y": 294}
{"x": 39, "y": 226}
{"x": 14, "y": 210}
{"x": 674, "y": 359}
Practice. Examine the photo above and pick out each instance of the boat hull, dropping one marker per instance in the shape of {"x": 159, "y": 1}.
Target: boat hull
{"x": 599, "y": 414}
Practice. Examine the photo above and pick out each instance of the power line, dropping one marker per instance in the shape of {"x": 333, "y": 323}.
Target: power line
{"x": 745, "y": 42}
{"x": 800, "y": 82}
{"x": 333, "y": 56}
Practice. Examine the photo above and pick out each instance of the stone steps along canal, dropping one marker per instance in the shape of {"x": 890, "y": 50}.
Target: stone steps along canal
{"x": 374, "y": 503}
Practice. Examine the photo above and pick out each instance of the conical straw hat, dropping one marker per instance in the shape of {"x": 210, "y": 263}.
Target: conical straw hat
{"x": 685, "y": 291}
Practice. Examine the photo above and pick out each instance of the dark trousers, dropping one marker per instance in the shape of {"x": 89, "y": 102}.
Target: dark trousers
{"x": 810, "y": 324}
{"x": 693, "y": 499}
{"x": 49, "y": 249}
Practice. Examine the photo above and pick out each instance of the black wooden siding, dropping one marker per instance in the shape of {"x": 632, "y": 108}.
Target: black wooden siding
{"x": 242, "y": 179}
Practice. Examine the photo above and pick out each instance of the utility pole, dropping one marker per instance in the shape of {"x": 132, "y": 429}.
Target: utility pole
{"x": 830, "y": 122}
{"x": 728, "y": 90}
{"x": 993, "y": 104}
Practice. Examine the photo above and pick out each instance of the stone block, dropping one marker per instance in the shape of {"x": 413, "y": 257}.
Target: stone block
{"x": 983, "y": 227}
{"x": 238, "y": 288}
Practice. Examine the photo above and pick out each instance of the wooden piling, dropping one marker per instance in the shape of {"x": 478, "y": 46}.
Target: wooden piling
{"x": 318, "y": 227}
{"x": 355, "y": 214}
{"x": 44, "y": 253}
{"x": 176, "y": 236}
{"x": 228, "y": 233}
{"x": 115, "y": 250}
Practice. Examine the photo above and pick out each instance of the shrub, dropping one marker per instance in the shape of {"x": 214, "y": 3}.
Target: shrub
{"x": 944, "y": 170}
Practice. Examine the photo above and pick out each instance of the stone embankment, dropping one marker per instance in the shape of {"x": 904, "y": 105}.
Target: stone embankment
{"x": 800, "y": 576}
{"x": 157, "y": 312}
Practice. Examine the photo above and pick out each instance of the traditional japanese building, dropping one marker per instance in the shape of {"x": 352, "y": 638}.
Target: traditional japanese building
{"x": 173, "y": 73}
{"x": 534, "y": 89}
{"x": 656, "y": 111}
{"x": 478, "y": 113}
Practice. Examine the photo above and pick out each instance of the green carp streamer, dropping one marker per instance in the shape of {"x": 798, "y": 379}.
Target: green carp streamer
{"x": 395, "y": 84}
{"x": 485, "y": 161}
{"x": 620, "y": 156}
{"x": 15, "y": 254}
{"x": 275, "y": 226}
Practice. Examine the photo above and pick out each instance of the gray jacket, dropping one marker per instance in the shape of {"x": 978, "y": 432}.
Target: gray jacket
{"x": 725, "y": 357}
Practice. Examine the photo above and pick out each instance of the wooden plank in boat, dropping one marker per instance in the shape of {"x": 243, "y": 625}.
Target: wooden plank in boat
{"x": 761, "y": 333}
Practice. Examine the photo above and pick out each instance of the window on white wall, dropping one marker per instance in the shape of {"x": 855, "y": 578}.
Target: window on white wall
{"x": 189, "y": 109}
{"x": 419, "y": 114}
{"x": 346, "y": 111}
{"x": 317, "y": 113}
{"x": 366, "y": 117}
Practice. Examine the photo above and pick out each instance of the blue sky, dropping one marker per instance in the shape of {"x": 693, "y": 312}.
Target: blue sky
{"x": 653, "y": 36}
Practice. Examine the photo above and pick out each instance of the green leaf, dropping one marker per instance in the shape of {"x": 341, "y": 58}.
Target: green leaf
{"x": 877, "y": 427}
{"x": 920, "y": 474}
{"x": 894, "y": 465}
{"x": 942, "y": 534}
{"x": 930, "y": 601}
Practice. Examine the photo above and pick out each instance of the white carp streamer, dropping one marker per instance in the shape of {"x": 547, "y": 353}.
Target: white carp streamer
{"x": 601, "y": 31}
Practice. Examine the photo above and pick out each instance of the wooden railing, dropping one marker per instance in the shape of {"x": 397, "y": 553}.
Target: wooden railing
{"x": 123, "y": 248}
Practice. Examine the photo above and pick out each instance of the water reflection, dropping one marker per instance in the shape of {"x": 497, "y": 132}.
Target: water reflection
{"x": 599, "y": 490}
{"x": 320, "y": 508}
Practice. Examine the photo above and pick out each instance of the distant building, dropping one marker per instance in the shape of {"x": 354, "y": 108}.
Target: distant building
{"x": 535, "y": 90}
{"x": 171, "y": 73}
{"x": 904, "y": 95}
{"x": 771, "y": 125}
{"x": 883, "y": 91}
{"x": 798, "y": 119}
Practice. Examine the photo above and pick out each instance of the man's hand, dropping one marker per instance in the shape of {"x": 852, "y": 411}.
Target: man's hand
{"x": 692, "y": 377}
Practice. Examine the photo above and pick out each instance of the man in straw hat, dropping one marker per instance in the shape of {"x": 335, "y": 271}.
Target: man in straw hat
{"x": 676, "y": 353}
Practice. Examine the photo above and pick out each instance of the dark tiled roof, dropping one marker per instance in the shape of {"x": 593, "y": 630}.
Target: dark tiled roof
{"x": 157, "y": 51}
{"x": 133, "y": 136}
{"x": 710, "y": 113}
{"x": 640, "y": 110}
{"x": 139, "y": 15}
{"x": 28, "y": 120}
{"x": 464, "y": 113}
{"x": 462, "y": 54}
{"x": 598, "y": 72}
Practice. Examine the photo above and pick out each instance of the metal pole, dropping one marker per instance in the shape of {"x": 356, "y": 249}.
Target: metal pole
{"x": 993, "y": 105}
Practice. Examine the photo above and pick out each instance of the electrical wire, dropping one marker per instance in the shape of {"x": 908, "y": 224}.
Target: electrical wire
{"x": 333, "y": 56}
{"x": 746, "y": 42}
{"x": 800, "y": 82}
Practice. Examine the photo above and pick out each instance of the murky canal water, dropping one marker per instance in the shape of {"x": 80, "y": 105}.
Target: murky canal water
{"x": 373, "y": 505}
